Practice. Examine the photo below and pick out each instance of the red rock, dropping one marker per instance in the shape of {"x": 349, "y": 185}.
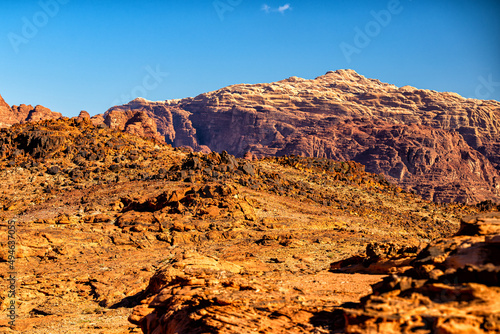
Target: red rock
{"x": 156, "y": 120}
{"x": 248, "y": 156}
{"x": 242, "y": 249}
{"x": 483, "y": 225}
{"x": 441, "y": 145}
{"x": 83, "y": 115}
{"x": 5, "y": 114}
{"x": 24, "y": 113}
{"x": 451, "y": 287}
{"x": 40, "y": 113}
{"x": 97, "y": 120}
{"x": 3, "y": 104}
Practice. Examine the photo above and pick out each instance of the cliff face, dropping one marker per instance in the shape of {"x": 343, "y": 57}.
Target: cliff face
{"x": 442, "y": 145}
{"x": 23, "y": 113}
{"x": 159, "y": 120}
{"x": 5, "y": 113}
{"x": 3, "y": 104}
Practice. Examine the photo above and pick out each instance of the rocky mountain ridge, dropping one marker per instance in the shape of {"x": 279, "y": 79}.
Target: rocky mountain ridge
{"x": 441, "y": 145}
{"x": 24, "y": 113}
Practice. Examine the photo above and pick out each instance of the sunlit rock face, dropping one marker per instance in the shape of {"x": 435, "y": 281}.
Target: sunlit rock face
{"x": 441, "y": 145}
{"x": 23, "y": 113}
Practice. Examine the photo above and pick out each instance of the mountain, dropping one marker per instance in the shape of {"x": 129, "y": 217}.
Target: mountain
{"x": 440, "y": 145}
{"x": 108, "y": 232}
{"x": 109, "y": 226}
{"x": 24, "y": 113}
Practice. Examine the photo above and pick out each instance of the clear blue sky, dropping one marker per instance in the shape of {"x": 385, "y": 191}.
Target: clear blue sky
{"x": 90, "y": 55}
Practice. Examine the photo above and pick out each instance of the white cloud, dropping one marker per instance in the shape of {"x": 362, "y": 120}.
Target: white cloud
{"x": 284, "y": 8}
{"x": 281, "y": 9}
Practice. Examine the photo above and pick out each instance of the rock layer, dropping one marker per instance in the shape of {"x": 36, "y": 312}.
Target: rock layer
{"x": 441, "y": 145}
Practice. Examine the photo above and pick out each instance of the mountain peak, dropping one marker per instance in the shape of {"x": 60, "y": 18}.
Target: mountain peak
{"x": 139, "y": 100}
{"x": 3, "y": 103}
{"x": 354, "y": 79}
{"x": 340, "y": 115}
{"x": 344, "y": 73}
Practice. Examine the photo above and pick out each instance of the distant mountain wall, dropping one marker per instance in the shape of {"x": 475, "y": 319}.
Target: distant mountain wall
{"x": 445, "y": 147}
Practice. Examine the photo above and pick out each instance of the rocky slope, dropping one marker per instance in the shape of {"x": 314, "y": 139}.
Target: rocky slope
{"x": 451, "y": 286}
{"x": 112, "y": 225}
{"x": 24, "y": 113}
{"x": 445, "y": 147}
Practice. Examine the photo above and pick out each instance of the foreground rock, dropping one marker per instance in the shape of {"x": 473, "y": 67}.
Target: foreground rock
{"x": 441, "y": 145}
{"x": 199, "y": 294}
{"x": 107, "y": 220}
{"x": 452, "y": 286}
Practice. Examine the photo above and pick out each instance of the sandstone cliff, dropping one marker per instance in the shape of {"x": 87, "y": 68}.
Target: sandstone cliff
{"x": 5, "y": 112}
{"x": 24, "y": 113}
{"x": 441, "y": 145}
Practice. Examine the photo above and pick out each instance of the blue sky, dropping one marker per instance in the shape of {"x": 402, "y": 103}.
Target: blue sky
{"x": 71, "y": 55}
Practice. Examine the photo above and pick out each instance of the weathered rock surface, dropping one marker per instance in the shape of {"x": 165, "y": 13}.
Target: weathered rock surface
{"x": 199, "y": 294}
{"x": 83, "y": 115}
{"x": 24, "y": 113}
{"x": 153, "y": 119}
{"x": 5, "y": 113}
{"x": 3, "y": 104}
{"x": 108, "y": 221}
{"x": 443, "y": 146}
{"x": 451, "y": 286}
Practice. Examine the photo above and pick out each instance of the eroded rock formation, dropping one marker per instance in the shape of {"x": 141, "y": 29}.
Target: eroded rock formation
{"x": 106, "y": 219}
{"x": 24, "y": 113}
{"x": 441, "y": 145}
{"x": 451, "y": 286}
{"x": 112, "y": 225}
